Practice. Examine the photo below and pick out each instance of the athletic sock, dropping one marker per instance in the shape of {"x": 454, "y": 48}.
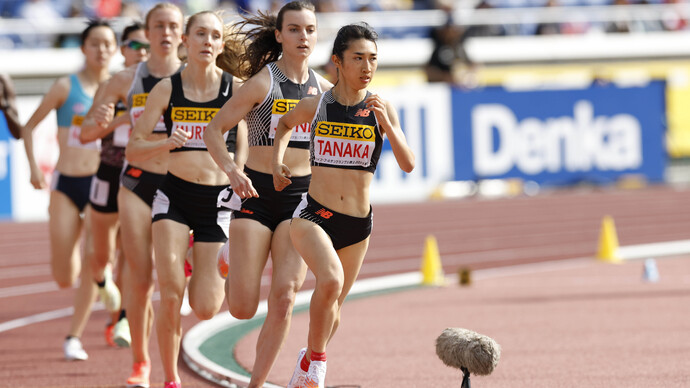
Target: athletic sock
{"x": 318, "y": 356}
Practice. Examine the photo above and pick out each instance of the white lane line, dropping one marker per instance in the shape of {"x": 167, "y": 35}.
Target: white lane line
{"x": 54, "y": 314}
{"x": 25, "y": 271}
{"x": 42, "y": 317}
{"x": 645, "y": 251}
{"x": 28, "y": 289}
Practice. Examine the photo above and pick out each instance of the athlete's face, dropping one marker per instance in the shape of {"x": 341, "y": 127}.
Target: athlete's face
{"x": 298, "y": 34}
{"x": 135, "y": 48}
{"x": 358, "y": 64}
{"x": 205, "y": 39}
{"x": 164, "y": 31}
{"x": 99, "y": 46}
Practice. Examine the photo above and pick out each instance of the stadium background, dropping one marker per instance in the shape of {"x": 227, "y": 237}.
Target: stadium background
{"x": 579, "y": 104}
{"x": 527, "y": 113}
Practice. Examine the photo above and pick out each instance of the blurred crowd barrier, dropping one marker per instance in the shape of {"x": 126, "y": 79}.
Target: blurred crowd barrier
{"x": 526, "y": 112}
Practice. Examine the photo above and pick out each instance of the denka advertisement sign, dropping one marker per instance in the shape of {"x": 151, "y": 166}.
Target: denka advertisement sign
{"x": 560, "y": 136}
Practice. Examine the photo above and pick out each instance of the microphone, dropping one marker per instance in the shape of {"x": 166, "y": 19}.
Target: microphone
{"x": 468, "y": 351}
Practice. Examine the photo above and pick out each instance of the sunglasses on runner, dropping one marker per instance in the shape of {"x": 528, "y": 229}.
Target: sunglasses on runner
{"x": 136, "y": 45}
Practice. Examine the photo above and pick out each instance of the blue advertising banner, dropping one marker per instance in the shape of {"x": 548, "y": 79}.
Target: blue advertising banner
{"x": 560, "y": 137}
{"x": 5, "y": 184}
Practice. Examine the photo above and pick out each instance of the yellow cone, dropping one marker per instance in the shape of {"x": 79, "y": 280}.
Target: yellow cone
{"x": 608, "y": 241}
{"x": 432, "y": 271}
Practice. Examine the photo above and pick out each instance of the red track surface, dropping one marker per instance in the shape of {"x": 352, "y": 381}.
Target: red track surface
{"x": 473, "y": 232}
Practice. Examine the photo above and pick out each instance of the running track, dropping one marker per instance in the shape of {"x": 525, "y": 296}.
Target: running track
{"x": 473, "y": 232}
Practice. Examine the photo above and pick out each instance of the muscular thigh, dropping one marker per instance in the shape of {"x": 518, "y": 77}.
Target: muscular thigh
{"x": 249, "y": 246}
{"x": 316, "y": 248}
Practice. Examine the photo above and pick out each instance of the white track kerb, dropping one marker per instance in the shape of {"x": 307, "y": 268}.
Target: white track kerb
{"x": 232, "y": 374}
{"x": 221, "y": 333}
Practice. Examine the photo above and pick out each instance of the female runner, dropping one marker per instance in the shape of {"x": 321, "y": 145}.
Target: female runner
{"x": 187, "y": 198}
{"x": 106, "y": 182}
{"x": 279, "y": 76}
{"x": 141, "y": 179}
{"x": 333, "y": 222}
{"x": 71, "y": 97}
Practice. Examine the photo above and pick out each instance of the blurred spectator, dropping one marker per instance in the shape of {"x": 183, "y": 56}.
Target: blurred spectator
{"x": 71, "y": 40}
{"x": 8, "y": 105}
{"x": 446, "y": 39}
{"x": 483, "y": 30}
{"x": 549, "y": 28}
{"x": 673, "y": 20}
{"x": 41, "y": 15}
{"x": 107, "y": 9}
{"x": 619, "y": 26}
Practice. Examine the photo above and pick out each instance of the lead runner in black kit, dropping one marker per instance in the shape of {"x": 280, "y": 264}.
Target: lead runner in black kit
{"x": 332, "y": 225}
{"x": 187, "y": 198}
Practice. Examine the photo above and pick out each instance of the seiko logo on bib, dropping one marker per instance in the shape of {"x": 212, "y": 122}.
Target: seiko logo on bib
{"x": 283, "y": 106}
{"x": 139, "y": 100}
{"x": 193, "y": 115}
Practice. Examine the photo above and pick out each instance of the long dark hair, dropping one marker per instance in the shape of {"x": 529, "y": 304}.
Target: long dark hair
{"x": 260, "y": 39}
{"x": 349, "y": 33}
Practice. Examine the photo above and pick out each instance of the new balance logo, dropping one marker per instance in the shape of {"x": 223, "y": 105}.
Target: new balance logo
{"x": 362, "y": 113}
{"x": 247, "y": 211}
{"x": 312, "y": 91}
{"x": 324, "y": 213}
{"x": 134, "y": 172}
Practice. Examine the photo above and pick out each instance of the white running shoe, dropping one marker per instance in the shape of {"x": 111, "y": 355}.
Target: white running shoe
{"x": 121, "y": 334}
{"x": 109, "y": 294}
{"x": 185, "y": 308}
{"x": 73, "y": 350}
{"x": 316, "y": 376}
{"x": 298, "y": 376}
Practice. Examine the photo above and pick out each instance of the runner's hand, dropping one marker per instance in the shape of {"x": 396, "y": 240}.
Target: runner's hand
{"x": 241, "y": 184}
{"x": 177, "y": 138}
{"x": 281, "y": 177}
{"x": 104, "y": 114}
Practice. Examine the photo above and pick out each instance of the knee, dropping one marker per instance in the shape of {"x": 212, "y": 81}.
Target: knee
{"x": 140, "y": 284}
{"x": 205, "y": 307}
{"x": 203, "y": 312}
{"x": 282, "y": 302}
{"x": 170, "y": 302}
{"x": 242, "y": 311}
{"x": 64, "y": 279}
{"x": 64, "y": 282}
{"x": 330, "y": 288}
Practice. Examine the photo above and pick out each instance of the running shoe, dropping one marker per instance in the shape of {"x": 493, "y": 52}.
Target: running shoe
{"x": 110, "y": 295}
{"x": 224, "y": 260}
{"x": 299, "y": 375}
{"x": 316, "y": 376}
{"x": 185, "y": 308}
{"x": 109, "y": 329}
{"x": 121, "y": 335}
{"x": 73, "y": 350}
{"x": 140, "y": 375}
{"x": 172, "y": 384}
